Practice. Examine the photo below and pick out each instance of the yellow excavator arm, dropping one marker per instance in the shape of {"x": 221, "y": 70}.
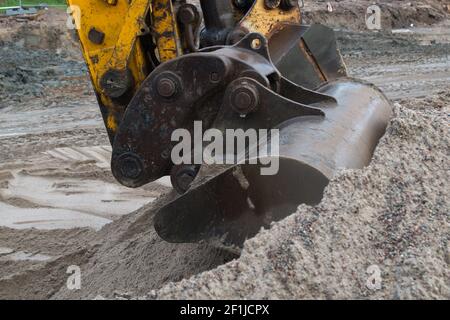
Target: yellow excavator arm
{"x": 115, "y": 36}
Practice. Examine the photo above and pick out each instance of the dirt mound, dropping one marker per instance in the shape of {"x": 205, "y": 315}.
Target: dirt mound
{"x": 126, "y": 256}
{"x": 48, "y": 30}
{"x": 390, "y": 218}
{"x": 37, "y": 57}
{"x": 38, "y": 273}
{"x": 132, "y": 258}
{"x": 394, "y": 14}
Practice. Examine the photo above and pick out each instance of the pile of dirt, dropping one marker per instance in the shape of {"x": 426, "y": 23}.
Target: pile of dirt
{"x": 126, "y": 257}
{"x": 391, "y": 218}
{"x": 31, "y": 73}
{"x": 131, "y": 258}
{"x": 382, "y": 232}
{"x": 46, "y": 30}
{"x": 30, "y": 277}
{"x": 351, "y": 15}
{"x": 38, "y": 56}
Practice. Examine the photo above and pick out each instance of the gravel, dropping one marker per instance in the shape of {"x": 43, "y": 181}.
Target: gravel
{"x": 381, "y": 232}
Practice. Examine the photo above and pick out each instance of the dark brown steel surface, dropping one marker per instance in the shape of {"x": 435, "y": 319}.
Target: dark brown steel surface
{"x": 313, "y": 52}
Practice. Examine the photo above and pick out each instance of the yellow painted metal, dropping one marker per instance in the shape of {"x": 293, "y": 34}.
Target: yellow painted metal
{"x": 266, "y": 21}
{"x": 121, "y": 23}
{"x": 166, "y": 31}
{"x": 111, "y": 2}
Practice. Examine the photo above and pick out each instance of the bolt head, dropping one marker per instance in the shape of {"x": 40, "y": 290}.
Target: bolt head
{"x": 130, "y": 166}
{"x": 187, "y": 15}
{"x": 272, "y": 4}
{"x": 166, "y": 87}
{"x": 167, "y": 84}
{"x": 214, "y": 77}
{"x": 185, "y": 180}
{"x": 96, "y": 36}
{"x": 242, "y": 100}
{"x": 116, "y": 83}
{"x": 243, "y": 97}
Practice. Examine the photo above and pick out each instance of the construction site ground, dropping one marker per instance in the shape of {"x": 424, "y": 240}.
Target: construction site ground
{"x": 61, "y": 207}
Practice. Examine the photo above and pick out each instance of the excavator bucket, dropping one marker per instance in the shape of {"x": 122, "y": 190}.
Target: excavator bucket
{"x": 326, "y": 122}
{"x": 228, "y": 206}
{"x": 161, "y": 67}
{"x": 235, "y": 204}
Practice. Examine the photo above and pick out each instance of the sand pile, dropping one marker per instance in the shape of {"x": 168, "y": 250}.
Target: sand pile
{"x": 391, "y": 217}
{"x": 48, "y": 29}
{"x": 128, "y": 258}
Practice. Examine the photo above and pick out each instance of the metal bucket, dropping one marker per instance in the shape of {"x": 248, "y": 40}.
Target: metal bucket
{"x": 235, "y": 204}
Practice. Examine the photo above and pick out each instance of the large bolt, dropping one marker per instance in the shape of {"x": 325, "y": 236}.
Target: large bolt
{"x": 128, "y": 166}
{"x": 243, "y": 100}
{"x": 166, "y": 87}
{"x": 243, "y": 97}
{"x": 272, "y": 4}
{"x": 188, "y": 14}
{"x": 167, "y": 84}
{"x": 115, "y": 83}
